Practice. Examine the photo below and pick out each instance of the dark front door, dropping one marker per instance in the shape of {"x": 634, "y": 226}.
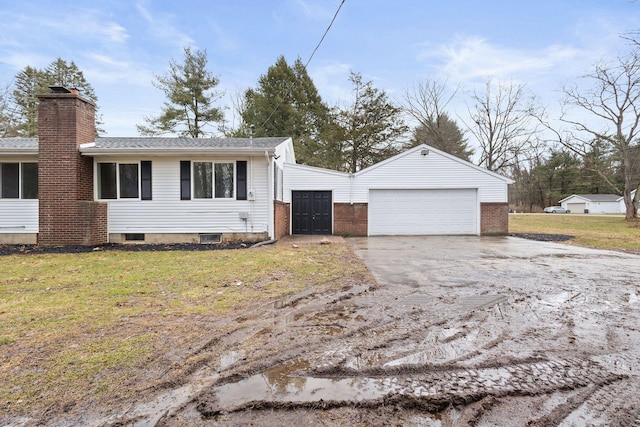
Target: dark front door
{"x": 311, "y": 212}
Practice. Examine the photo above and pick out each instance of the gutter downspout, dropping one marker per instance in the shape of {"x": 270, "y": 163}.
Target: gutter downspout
{"x": 351, "y": 178}
{"x": 270, "y": 225}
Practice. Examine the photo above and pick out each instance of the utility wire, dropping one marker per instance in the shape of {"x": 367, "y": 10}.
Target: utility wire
{"x": 335, "y": 15}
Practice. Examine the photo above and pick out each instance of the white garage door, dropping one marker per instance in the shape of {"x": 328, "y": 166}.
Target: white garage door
{"x": 407, "y": 212}
{"x": 576, "y": 207}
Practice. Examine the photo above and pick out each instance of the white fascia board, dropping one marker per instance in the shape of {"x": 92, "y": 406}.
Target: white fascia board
{"x": 17, "y": 152}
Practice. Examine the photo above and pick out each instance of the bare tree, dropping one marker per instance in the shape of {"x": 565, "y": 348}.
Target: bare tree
{"x": 613, "y": 107}
{"x": 426, "y": 102}
{"x": 502, "y": 122}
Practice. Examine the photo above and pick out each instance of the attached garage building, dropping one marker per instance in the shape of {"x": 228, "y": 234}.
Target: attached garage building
{"x": 422, "y": 191}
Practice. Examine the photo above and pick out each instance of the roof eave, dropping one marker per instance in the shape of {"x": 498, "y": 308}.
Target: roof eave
{"x": 175, "y": 151}
{"x": 16, "y": 152}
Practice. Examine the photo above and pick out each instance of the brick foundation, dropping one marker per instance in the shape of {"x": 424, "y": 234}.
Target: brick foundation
{"x": 282, "y": 219}
{"x": 350, "y": 219}
{"x": 67, "y": 213}
{"x": 494, "y": 219}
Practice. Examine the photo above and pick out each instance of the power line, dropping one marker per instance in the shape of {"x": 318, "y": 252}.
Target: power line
{"x": 335, "y": 15}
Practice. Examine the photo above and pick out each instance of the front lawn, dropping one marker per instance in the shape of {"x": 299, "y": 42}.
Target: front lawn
{"x": 594, "y": 231}
{"x": 93, "y": 327}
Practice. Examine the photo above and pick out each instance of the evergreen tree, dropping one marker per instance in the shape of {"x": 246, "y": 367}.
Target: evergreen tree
{"x": 190, "y": 91}
{"x": 286, "y": 103}
{"x": 30, "y": 81}
{"x": 369, "y": 130}
{"x": 444, "y": 134}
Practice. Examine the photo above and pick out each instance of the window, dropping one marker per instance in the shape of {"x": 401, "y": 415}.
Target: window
{"x": 224, "y": 180}
{"x": 29, "y": 180}
{"x": 18, "y": 180}
{"x": 202, "y": 180}
{"x": 124, "y": 181}
{"x": 210, "y": 180}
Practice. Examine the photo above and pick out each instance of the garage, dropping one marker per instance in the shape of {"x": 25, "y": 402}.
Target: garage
{"x": 421, "y": 191}
{"x": 423, "y": 212}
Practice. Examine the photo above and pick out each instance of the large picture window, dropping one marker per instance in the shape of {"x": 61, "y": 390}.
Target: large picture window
{"x": 124, "y": 181}
{"x": 213, "y": 180}
{"x": 18, "y": 180}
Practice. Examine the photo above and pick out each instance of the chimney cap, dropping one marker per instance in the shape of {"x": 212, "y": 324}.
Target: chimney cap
{"x": 59, "y": 89}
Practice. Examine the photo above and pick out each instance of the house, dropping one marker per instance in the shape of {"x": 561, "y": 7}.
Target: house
{"x": 594, "y": 203}
{"x": 69, "y": 187}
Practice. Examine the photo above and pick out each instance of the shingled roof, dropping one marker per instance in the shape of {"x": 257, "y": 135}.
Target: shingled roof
{"x": 110, "y": 145}
{"x": 18, "y": 145}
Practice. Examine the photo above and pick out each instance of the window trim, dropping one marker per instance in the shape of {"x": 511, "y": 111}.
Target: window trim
{"x": 20, "y": 180}
{"x": 213, "y": 179}
{"x": 147, "y": 166}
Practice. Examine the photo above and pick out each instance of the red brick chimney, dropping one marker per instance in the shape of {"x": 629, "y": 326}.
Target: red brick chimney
{"x": 67, "y": 213}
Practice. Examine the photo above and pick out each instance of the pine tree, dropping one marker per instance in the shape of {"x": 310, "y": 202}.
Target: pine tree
{"x": 30, "y": 82}
{"x": 369, "y": 130}
{"x": 190, "y": 91}
{"x": 286, "y": 103}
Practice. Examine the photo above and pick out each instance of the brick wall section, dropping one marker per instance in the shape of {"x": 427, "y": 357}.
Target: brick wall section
{"x": 282, "y": 219}
{"x": 67, "y": 213}
{"x": 350, "y": 219}
{"x": 494, "y": 219}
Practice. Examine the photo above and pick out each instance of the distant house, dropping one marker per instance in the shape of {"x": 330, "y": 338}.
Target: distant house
{"x": 623, "y": 208}
{"x": 594, "y": 203}
{"x": 69, "y": 187}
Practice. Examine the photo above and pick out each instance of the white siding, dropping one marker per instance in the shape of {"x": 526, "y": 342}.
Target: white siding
{"x": 298, "y": 177}
{"x": 409, "y": 170}
{"x": 412, "y": 170}
{"x": 604, "y": 207}
{"x": 18, "y": 216}
{"x": 166, "y": 213}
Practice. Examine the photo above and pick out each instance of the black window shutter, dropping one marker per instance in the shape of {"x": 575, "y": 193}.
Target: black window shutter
{"x": 185, "y": 180}
{"x": 241, "y": 180}
{"x": 145, "y": 179}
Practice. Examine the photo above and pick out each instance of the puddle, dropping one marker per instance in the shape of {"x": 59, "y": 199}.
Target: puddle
{"x": 291, "y": 389}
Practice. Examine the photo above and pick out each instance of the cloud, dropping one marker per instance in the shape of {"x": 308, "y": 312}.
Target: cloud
{"x": 332, "y": 82}
{"x": 316, "y": 10}
{"x": 469, "y": 59}
{"x": 161, "y": 26}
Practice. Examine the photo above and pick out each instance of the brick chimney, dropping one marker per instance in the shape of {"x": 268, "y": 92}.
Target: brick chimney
{"x": 67, "y": 213}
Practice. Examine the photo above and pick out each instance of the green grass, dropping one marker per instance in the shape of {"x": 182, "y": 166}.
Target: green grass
{"x": 595, "y": 231}
{"x": 87, "y": 326}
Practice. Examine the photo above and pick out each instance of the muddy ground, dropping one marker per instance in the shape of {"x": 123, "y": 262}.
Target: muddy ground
{"x": 457, "y": 331}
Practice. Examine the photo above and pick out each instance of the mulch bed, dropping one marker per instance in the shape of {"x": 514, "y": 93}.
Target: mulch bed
{"x": 73, "y": 249}
{"x": 544, "y": 237}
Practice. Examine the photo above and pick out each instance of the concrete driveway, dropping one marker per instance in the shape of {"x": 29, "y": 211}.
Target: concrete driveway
{"x": 504, "y": 302}
{"x": 426, "y": 262}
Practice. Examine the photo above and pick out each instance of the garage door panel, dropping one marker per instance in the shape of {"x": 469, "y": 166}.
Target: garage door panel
{"x": 410, "y": 211}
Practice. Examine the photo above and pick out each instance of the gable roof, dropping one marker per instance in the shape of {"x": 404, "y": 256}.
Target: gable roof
{"x": 441, "y": 153}
{"x": 594, "y": 197}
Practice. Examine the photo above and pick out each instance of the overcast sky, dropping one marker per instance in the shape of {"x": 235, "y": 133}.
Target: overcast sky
{"x": 121, "y": 44}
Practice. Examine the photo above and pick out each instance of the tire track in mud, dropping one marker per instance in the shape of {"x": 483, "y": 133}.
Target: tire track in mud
{"x": 430, "y": 388}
